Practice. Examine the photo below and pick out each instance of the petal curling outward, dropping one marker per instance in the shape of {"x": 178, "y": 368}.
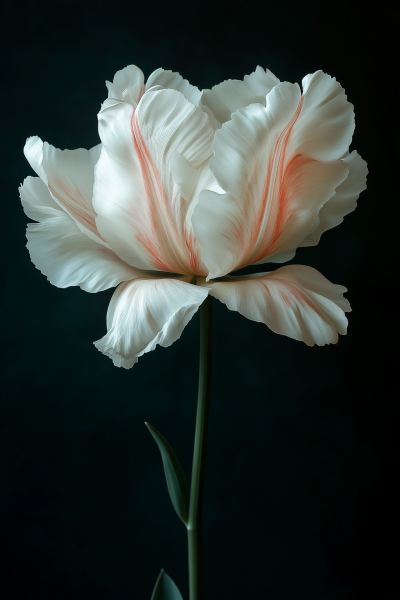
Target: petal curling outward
{"x": 127, "y": 85}
{"x": 69, "y": 175}
{"x": 174, "y": 81}
{"x": 143, "y": 213}
{"x": 278, "y": 164}
{"x": 61, "y": 251}
{"x": 226, "y": 97}
{"x": 344, "y": 201}
{"x": 295, "y": 301}
{"x": 147, "y": 312}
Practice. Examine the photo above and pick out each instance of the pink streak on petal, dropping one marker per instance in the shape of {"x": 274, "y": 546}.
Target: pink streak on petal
{"x": 75, "y": 203}
{"x": 151, "y": 179}
{"x": 294, "y": 291}
{"x": 171, "y": 246}
{"x": 275, "y": 204}
{"x": 282, "y": 205}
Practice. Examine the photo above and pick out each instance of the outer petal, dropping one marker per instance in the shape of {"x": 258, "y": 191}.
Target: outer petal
{"x": 144, "y": 214}
{"x": 344, "y": 201}
{"x": 36, "y": 200}
{"x": 174, "y": 81}
{"x": 69, "y": 175}
{"x": 226, "y": 97}
{"x": 33, "y": 151}
{"x": 61, "y": 251}
{"x": 278, "y": 170}
{"x": 295, "y": 301}
{"x": 127, "y": 85}
{"x": 147, "y": 312}
{"x": 326, "y": 123}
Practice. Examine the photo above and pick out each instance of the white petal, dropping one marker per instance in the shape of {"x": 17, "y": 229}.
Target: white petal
{"x": 273, "y": 191}
{"x": 147, "y": 312}
{"x": 226, "y": 97}
{"x": 69, "y": 175}
{"x": 184, "y": 174}
{"x": 344, "y": 201}
{"x": 295, "y": 301}
{"x": 279, "y": 257}
{"x": 142, "y": 213}
{"x": 33, "y": 151}
{"x": 326, "y": 124}
{"x": 61, "y": 251}
{"x": 174, "y": 81}
{"x": 36, "y": 199}
{"x": 128, "y": 85}
{"x": 215, "y": 124}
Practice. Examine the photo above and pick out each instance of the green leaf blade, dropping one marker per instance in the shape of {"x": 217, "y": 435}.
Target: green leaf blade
{"x": 174, "y": 475}
{"x": 165, "y": 588}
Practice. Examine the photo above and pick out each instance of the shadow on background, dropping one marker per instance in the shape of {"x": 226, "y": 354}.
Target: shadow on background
{"x": 302, "y": 462}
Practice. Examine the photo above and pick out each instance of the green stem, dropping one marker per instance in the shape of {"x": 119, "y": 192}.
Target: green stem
{"x": 199, "y": 454}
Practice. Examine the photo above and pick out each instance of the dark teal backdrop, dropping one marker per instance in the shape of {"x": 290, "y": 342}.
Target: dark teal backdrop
{"x": 300, "y": 498}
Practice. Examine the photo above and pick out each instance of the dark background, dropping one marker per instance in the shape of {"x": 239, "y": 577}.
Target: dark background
{"x": 302, "y": 468}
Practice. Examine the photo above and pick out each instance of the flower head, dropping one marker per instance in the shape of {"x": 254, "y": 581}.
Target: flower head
{"x": 188, "y": 186}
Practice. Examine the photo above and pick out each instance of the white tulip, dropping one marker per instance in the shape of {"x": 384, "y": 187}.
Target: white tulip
{"x": 188, "y": 186}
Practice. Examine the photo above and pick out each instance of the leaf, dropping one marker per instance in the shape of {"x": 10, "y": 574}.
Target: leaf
{"x": 165, "y": 588}
{"x": 174, "y": 475}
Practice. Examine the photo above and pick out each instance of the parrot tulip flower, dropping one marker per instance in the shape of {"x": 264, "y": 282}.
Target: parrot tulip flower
{"x": 187, "y": 187}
